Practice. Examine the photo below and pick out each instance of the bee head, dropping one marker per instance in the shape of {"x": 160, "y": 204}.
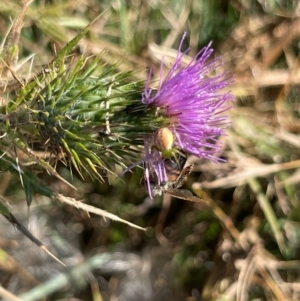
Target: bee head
{"x": 174, "y": 166}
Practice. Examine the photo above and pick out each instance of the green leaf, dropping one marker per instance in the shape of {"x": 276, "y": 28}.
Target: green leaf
{"x": 3, "y": 209}
{"x": 28, "y": 187}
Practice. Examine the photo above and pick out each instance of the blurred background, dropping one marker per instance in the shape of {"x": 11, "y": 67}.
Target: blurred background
{"x": 245, "y": 244}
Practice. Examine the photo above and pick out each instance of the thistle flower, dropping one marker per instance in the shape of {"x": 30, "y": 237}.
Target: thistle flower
{"x": 83, "y": 112}
{"x": 193, "y": 102}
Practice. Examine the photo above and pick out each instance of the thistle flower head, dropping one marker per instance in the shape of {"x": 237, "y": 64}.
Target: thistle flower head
{"x": 193, "y": 101}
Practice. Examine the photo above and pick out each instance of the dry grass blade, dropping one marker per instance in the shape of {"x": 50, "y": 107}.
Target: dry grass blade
{"x": 240, "y": 178}
{"x": 11, "y": 51}
{"x": 268, "y": 78}
{"x": 274, "y": 286}
{"x": 269, "y": 213}
{"x": 12, "y": 219}
{"x": 259, "y": 261}
{"x": 9, "y": 264}
{"x": 43, "y": 163}
{"x": 95, "y": 210}
{"x": 244, "y": 280}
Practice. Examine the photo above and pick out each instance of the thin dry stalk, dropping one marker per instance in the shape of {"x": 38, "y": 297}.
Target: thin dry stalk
{"x": 11, "y": 52}
{"x": 91, "y": 209}
{"x": 242, "y": 177}
{"x": 246, "y": 273}
{"x": 219, "y": 213}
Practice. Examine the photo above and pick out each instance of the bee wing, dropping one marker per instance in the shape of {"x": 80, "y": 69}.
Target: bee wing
{"x": 184, "y": 195}
{"x": 183, "y": 176}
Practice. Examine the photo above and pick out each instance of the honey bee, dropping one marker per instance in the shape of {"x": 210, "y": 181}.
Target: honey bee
{"x": 174, "y": 161}
{"x": 174, "y": 167}
{"x": 176, "y": 176}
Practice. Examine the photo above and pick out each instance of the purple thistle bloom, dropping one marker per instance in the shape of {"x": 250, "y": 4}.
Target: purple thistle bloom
{"x": 194, "y": 103}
